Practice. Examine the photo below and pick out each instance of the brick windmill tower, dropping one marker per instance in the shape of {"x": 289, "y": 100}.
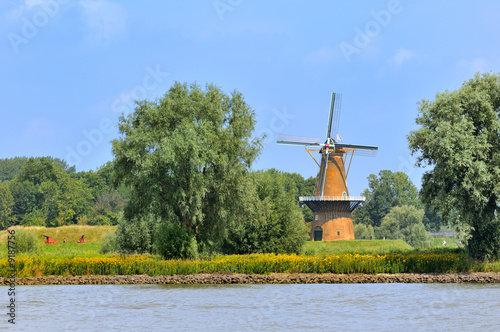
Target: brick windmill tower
{"x": 331, "y": 204}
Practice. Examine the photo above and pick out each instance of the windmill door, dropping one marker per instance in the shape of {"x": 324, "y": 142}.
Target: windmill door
{"x": 318, "y": 234}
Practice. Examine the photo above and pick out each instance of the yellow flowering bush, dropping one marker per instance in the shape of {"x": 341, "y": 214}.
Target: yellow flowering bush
{"x": 248, "y": 264}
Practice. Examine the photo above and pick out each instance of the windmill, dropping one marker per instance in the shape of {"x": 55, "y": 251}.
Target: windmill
{"x": 331, "y": 204}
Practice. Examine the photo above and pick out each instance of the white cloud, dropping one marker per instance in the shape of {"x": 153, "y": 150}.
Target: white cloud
{"x": 322, "y": 56}
{"x": 402, "y": 56}
{"x": 104, "y": 19}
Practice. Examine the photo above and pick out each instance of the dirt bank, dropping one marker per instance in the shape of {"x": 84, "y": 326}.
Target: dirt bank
{"x": 229, "y": 278}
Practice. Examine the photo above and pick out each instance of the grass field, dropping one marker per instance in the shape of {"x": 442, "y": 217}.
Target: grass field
{"x": 451, "y": 241}
{"x": 93, "y": 234}
{"x": 322, "y": 248}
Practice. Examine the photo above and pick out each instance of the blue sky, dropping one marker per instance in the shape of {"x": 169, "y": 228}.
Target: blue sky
{"x": 69, "y": 68}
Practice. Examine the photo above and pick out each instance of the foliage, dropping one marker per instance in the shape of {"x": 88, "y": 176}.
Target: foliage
{"x": 432, "y": 221}
{"x": 27, "y": 242}
{"x": 43, "y": 190}
{"x": 362, "y": 231}
{"x": 459, "y": 137}
{"x": 385, "y": 192}
{"x": 271, "y": 221}
{"x": 186, "y": 154}
{"x": 47, "y": 192}
{"x": 296, "y": 184}
{"x": 6, "y": 205}
{"x": 108, "y": 202}
{"x": 174, "y": 240}
{"x": 249, "y": 264}
{"x": 10, "y": 167}
{"x": 108, "y": 243}
{"x": 107, "y": 209}
{"x": 136, "y": 235}
{"x": 33, "y": 218}
{"x": 405, "y": 222}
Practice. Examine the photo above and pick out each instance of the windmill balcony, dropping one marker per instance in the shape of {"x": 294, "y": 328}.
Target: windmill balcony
{"x": 340, "y": 204}
{"x": 332, "y": 198}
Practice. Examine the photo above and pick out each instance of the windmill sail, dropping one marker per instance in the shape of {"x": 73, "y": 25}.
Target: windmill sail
{"x": 334, "y": 117}
{"x": 336, "y": 112}
{"x": 330, "y": 117}
{"x": 359, "y": 150}
{"x": 299, "y": 140}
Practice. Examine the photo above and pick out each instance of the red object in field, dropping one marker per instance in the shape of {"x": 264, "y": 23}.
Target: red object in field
{"x": 49, "y": 240}
{"x": 82, "y": 239}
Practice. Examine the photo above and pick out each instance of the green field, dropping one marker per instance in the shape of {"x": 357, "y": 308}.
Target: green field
{"x": 451, "y": 241}
{"x": 355, "y": 247}
{"x": 94, "y": 234}
{"x": 70, "y": 233}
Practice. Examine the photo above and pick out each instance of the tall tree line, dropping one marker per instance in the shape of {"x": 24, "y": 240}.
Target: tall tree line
{"x": 45, "y": 191}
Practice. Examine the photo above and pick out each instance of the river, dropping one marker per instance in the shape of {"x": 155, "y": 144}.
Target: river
{"x": 287, "y": 307}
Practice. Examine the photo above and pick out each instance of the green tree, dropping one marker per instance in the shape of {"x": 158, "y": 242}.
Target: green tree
{"x": 296, "y": 184}
{"x": 26, "y": 199}
{"x": 272, "y": 220}
{"x": 108, "y": 202}
{"x": 362, "y": 231}
{"x": 185, "y": 154}
{"x": 459, "y": 138}
{"x": 10, "y": 167}
{"x": 404, "y": 222}
{"x": 107, "y": 209}
{"x": 385, "y": 191}
{"x": 6, "y": 205}
{"x": 432, "y": 221}
{"x": 46, "y": 195}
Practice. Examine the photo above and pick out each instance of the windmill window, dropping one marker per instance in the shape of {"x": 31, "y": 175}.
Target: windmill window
{"x": 338, "y": 233}
{"x": 316, "y": 217}
{"x": 344, "y": 196}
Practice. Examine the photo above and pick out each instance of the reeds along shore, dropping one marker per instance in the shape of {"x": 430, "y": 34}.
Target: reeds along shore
{"x": 248, "y": 264}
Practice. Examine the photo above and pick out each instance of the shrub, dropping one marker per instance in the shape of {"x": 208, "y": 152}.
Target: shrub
{"x": 108, "y": 243}
{"x": 272, "y": 222}
{"x": 27, "y": 242}
{"x": 135, "y": 235}
{"x": 174, "y": 240}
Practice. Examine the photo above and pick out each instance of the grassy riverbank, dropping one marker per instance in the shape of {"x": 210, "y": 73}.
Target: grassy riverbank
{"x": 338, "y": 257}
{"x": 250, "y": 264}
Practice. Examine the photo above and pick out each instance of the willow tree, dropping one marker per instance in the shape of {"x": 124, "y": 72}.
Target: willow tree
{"x": 184, "y": 156}
{"x": 459, "y": 137}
